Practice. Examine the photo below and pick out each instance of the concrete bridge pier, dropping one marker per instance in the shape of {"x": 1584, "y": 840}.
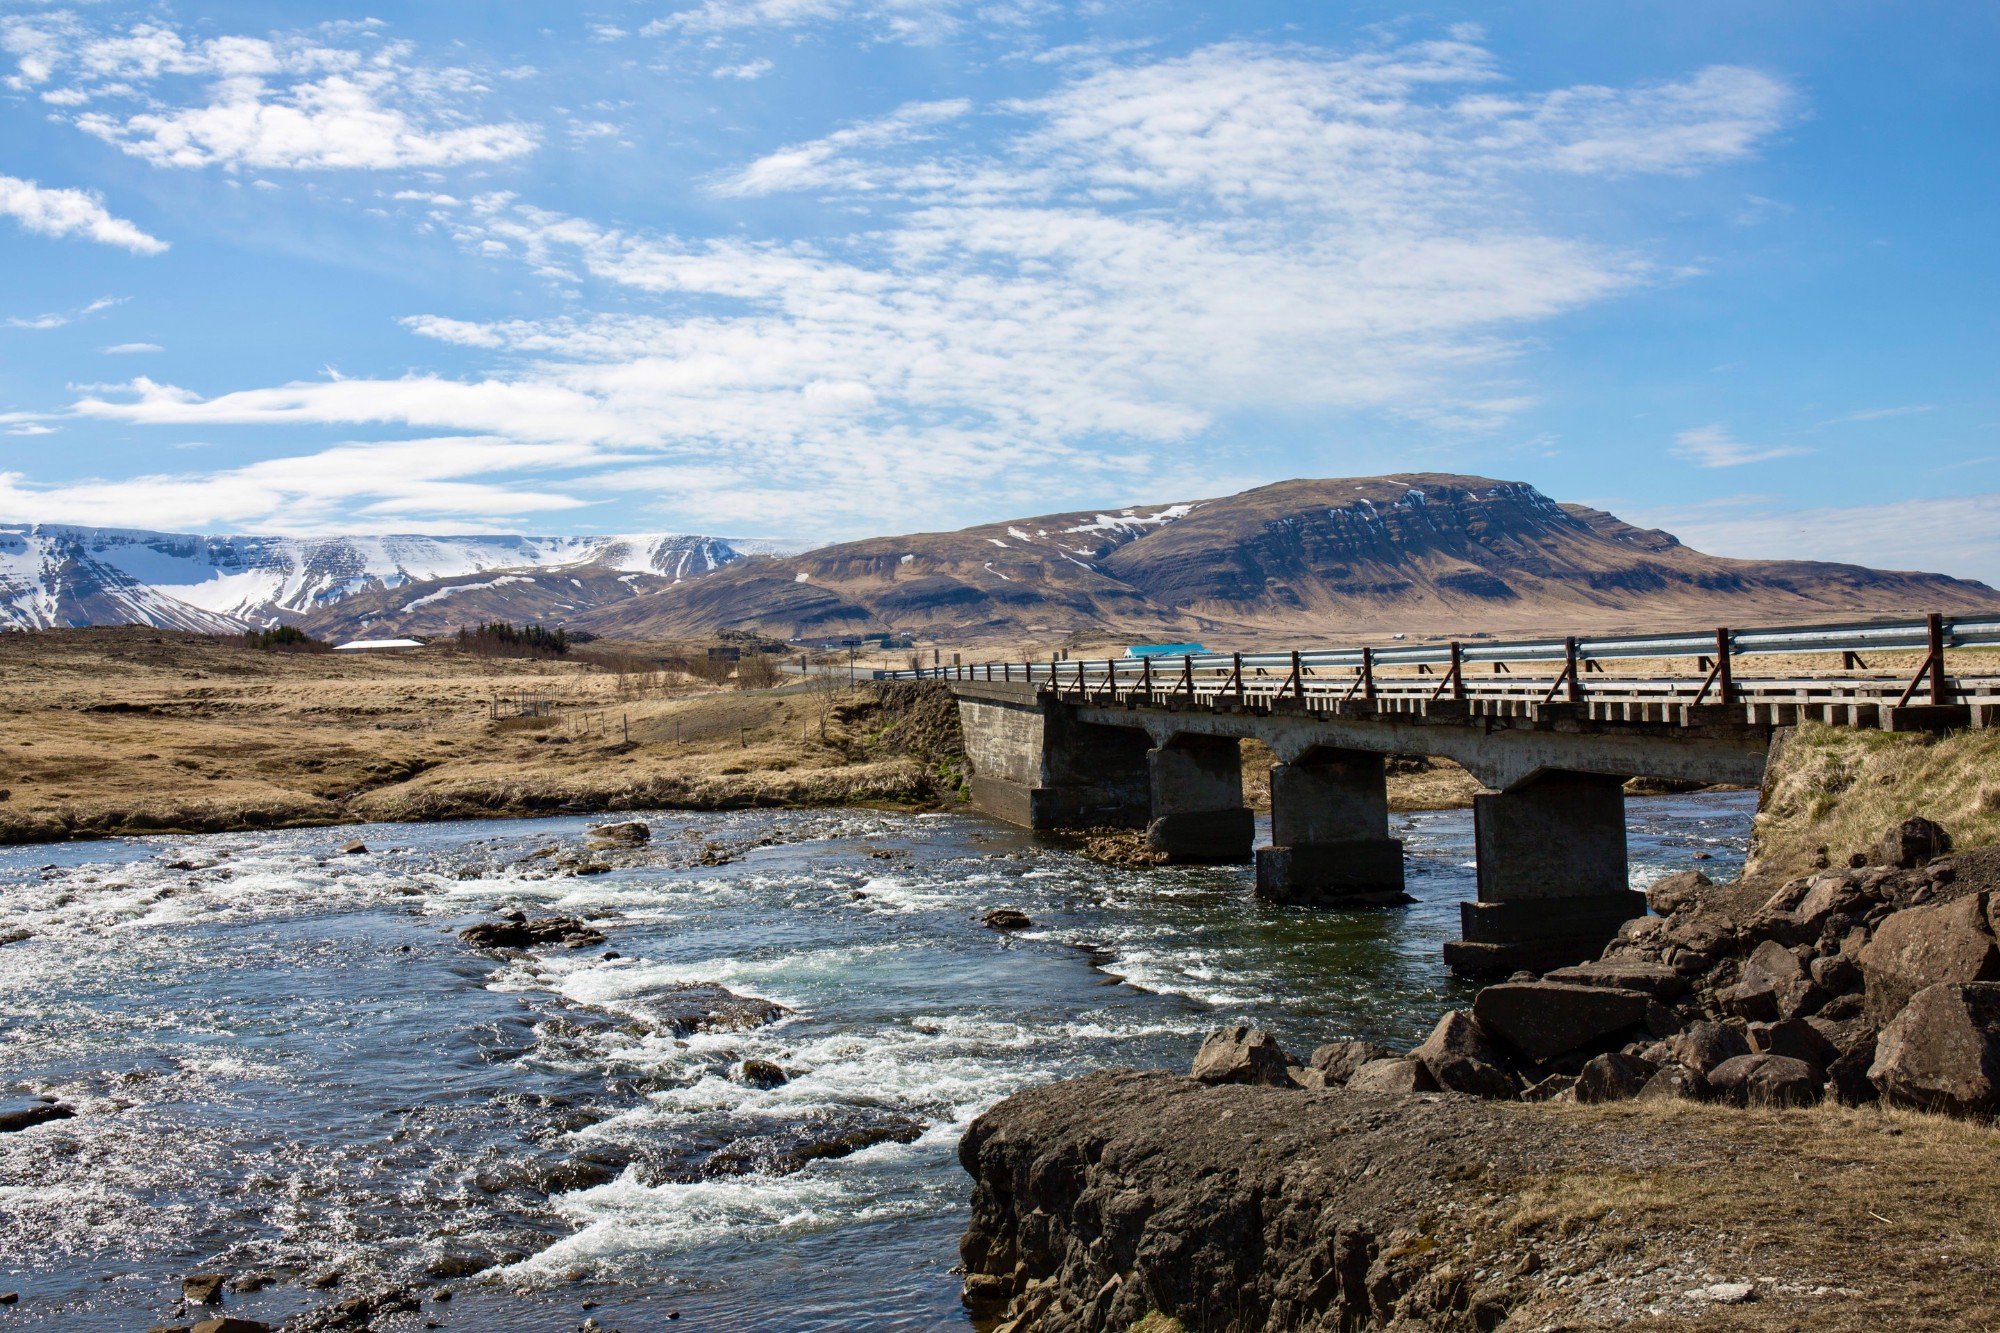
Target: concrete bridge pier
{"x": 1552, "y": 875}
{"x": 1198, "y": 815}
{"x": 1330, "y": 833}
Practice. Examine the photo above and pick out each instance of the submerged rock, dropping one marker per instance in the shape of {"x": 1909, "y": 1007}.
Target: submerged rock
{"x": 17, "y": 1115}
{"x": 1007, "y": 918}
{"x": 630, "y": 834}
{"x": 700, "y": 1006}
{"x": 203, "y": 1288}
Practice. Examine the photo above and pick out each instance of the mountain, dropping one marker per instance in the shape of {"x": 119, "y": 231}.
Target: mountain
{"x": 53, "y": 574}
{"x": 1297, "y": 561}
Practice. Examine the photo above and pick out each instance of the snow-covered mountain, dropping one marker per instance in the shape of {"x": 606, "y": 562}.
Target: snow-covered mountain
{"x": 58, "y": 575}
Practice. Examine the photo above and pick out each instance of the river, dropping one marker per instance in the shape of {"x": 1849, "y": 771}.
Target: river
{"x": 285, "y": 1062}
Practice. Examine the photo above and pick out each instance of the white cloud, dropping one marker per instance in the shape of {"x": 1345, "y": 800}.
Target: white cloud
{"x": 287, "y": 102}
{"x": 350, "y": 485}
{"x": 1713, "y": 446}
{"x": 1957, "y": 535}
{"x": 125, "y": 349}
{"x": 1880, "y": 414}
{"x": 903, "y": 20}
{"x": 749, "y": 69}
{"x": 822, "y": 162}
{"x": 57, "y": 319}
{"x": 1154, "y": 248}
{"x": 49, "y": 212}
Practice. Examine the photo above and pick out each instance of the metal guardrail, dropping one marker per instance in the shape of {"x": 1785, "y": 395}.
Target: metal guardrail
{"x": 1346, "y": 672}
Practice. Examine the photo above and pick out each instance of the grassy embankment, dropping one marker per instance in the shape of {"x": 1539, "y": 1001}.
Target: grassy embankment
{"x": 115, "y": 731}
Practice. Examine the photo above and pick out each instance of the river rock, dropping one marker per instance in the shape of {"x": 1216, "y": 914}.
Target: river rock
{"x": 1932, "y": 945}
{"x": 1765, "y": 1080}
{"x": 631, "y": 834}
{"x": 1677, "y": 892}
{"x": 355, "y": 848}
{"x": 1676, "y": 1083}
{"x": 1338, "y": 1060}
{"x": 25, "y": 1113}
{"x": 759, "y": 1074}
{"x": 1241, "y": 1054}
{"x": 231, "y": 1324}
{"x": 1911, "y": 843}
{"x": 203, "y": 1288}
{"x": 1398, "y": 1074}
{"x": 356, "y": 1314}
{"x": 1545, "y": 1019}
{"x": 1460, "y": 1059}
{"x": 516, "y": 931}
{"x": 1006, "y": 918}
{"x": 1774, "y": 985}
{"x": 1942, "y": 1052}
{"x": 700, "y": 1006}
{"x": 1612, "y": 1077}
{"x": 1701, "y": 1046}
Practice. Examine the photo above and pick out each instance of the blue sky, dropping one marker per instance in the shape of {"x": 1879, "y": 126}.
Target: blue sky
{"x": 828, "y": 268}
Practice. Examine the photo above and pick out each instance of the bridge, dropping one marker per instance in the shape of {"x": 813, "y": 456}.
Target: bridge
{"x": 1553, "y": 728}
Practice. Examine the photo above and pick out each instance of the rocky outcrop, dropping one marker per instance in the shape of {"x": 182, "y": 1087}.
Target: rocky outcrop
{"x": 1242, "y": 1054}
{"x": 1101, "y": 1199}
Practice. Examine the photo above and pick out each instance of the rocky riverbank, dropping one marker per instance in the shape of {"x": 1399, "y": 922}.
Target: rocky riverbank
{"x": 1363, "y": 1188}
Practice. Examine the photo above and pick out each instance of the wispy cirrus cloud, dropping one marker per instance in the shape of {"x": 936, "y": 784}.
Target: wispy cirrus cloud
{"x": 56, "y": 319}
{"x": 338, "y": 97}
{"x": 1147, "y": 250}
{"x": 58, "y": 212}
{"x": 1714, "y": 446}
{"x": 1880, "y": 414}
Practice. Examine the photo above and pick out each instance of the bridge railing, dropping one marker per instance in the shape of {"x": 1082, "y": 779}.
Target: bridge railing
{"x": 1350, "y": 672}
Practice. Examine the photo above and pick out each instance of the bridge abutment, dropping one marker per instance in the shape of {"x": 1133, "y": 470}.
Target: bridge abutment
{"x": 1198, "y": 815}
{"x": 1035, "y": 765}
{"x": 1553, "y": 887}
{"x": 1330, "y": 833}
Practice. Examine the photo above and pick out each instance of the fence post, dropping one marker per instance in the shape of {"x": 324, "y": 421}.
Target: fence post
{"x": 1934, "y": 624}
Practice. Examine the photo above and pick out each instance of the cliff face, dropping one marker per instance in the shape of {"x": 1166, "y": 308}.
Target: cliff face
{"x": 1299, "y": 561}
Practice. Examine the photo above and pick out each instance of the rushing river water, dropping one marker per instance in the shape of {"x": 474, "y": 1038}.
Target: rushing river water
{"x": 284, "y": 1061}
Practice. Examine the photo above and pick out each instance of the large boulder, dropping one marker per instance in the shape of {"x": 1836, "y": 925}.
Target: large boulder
{"x": 1545, "y": 1019}
{"x": 1702, "y": 1046}
{"x": 1676, "y": 1083}
{"x": 1654, "y": 979}
{"x": 1911, "y": 843}
{"x": 1774, "y": 985}
{"x": 1242, "y": 1054}
{"x": 1932, "y": 945}
{"x": 1835, "y": 891}
{"x": 1612, "y": 1077}
{"x": 1765, "y": 1080}
{"x": 1337, "y": 1061}
{"x": 1677, "y": 892}
{"x": 1397, "y": 1074}
{"x": 1942, "y": 1052}
{"x": 1794, "y": 1037}
{"x": 1460, "y": 1059}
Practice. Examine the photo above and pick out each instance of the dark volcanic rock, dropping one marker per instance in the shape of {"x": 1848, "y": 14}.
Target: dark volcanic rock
{"x": 517, "y": 931}
{"x": 1338, "y": 1060}
{"x": 1101, "y": 1199}
{"x": 19, "y": 1114}
{"x": 701, "y": 1005}
{"x": 1612, "y": 1077}
{"x": 203, "y": 1288}
{"x": 1007, "y": 918}
{"x": 1241, "y": 1054}
{"x": 1460, "y": 1059}
{"x": 1701, "y": 1046}
{"x": 1775, "y": 985}
{"x": 1942, "y": 1053}
{"x": 1396, "y": 1074}
{"x": 1545, "y": 1019}
{"x": 1765, "y": 1080}
{"x": 355, "y": 1314}
{"x": 1911, "y": 843}
{"x": 632, "y": 834}
{"x": 1927, "y": 946}
{"x": 1676, "y": 1083}
{"x": 1677, "y": 892}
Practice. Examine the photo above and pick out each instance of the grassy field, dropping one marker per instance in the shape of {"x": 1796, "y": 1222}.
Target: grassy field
{"x": 123, "y": 730}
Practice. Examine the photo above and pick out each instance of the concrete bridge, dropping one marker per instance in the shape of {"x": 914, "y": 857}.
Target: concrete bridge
{"x": 1157, "y": 746}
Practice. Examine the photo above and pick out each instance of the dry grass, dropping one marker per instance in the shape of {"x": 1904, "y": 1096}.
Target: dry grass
{"x": 107, "y": 731}
{"x": 1845, "y": 1219}
{"x": 1832, "y": 791}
